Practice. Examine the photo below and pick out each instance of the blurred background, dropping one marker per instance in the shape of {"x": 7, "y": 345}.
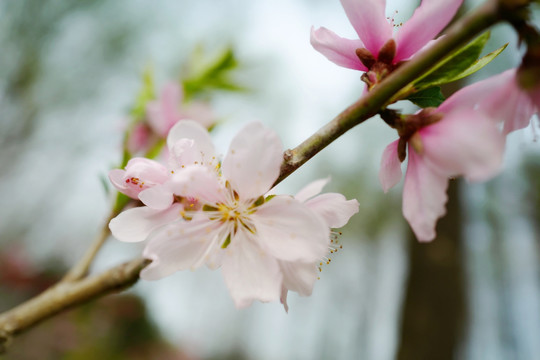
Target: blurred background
{"x": 69, "y": 75}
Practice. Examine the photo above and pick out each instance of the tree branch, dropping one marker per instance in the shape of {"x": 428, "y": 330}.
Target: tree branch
{"x": 380, "y": 96}
{"x": 65, "y": 295}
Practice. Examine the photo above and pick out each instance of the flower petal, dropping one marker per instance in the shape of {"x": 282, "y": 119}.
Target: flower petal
{"x": 164, "y": 113}
{"x": 180, "y": 246}
{"x": 338, "y": 50}
{"x": 470, "y": 96}
{"x": 249, "y": 273}
{"x": 140, "y": 174}
{"x": 189, "y": 129}
{"x": 299, "y": 277}
{"x": 390, "y": 172}
{"x": 253, "y": 161}
{"x": 200, "y": 112}
{"x": 425, "y": 24}
{"x": 199, "y": 183}
{"x": 369, "y": 20}
{"x": 290, "y": 231}
{"x": 311, "y": 189}
{"x": 424, "y": 196}
{"x": 158, "y": 197}
{"x": 134, "y": 225}
{"x": 334, "y": 208}
{"x": 464, "y": 142}
{"x": 508, "y": 103}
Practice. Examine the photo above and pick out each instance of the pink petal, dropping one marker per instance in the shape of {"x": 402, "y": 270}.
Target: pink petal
{"x": 158, "y": 197}
{"x": 499, "y": 97}
{"x": 339, "y": 50}
{"x": 470, "y": 96}
{"x": 163, "y": 113}
{"x": 424, "y": 196}
{"x": 134, "y": 225}
{"x": 199, "y": 112}
{"x": 334, "y": 208}
{"x": 464, "y": 142}
{"x": 390, "y": 172}
{"x": 369, "y": 20}
{"x": 311, "y": 189}
{"x": 425, "y": 24}
{"x": 199, "y": 183}
{"x": 299, "y": 277}
{"x": 189, "y": 129}
{"x": 140, "y": 174}
{"x": 250, "y": 274}
{"x": 290, "y": 231}
{"x": 253, "y": 161}
{"x": 180, "y": 246}
{"x": 508, "y": 103}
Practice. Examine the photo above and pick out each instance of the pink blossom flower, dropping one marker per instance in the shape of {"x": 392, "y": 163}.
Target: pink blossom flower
{"x": 248, "y": 235}
{"x": 500, "y": 98}
{"x": 165, "y": 112}
{"x": 449, "y": 141}
{"x": 139, "y": 175}
{"x": 189, "y": 144}
{"x": 336, "y": 210}
{"x": 379, "y": 48}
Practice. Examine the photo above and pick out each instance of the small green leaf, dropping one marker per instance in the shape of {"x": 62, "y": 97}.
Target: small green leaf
{"x": 431, "y": 97}
{"x": 214, "y": 74}
{"x": 454, "y": 65}
{"x": 480, "y": 63}
{"x": 145, "y": 95}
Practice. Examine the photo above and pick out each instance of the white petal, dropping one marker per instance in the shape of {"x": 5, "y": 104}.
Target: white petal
{"x": 334, "y": 208}
{"x": 250, "y": 274}
{"x": 198, "y": 182}
{"x": 290, "y": 231}
{"x": 311, "y": 189}
{"x": 180, "y": 246}
{"x": 158, "y": 197}
{"x": 253, "y": 161}
{"x": 136, "y": 224}
{"x": 189, "y": 129}
{"x": 299, "y": 277}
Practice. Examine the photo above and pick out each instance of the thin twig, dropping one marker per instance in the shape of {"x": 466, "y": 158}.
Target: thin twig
{"x": 80, "y": 270}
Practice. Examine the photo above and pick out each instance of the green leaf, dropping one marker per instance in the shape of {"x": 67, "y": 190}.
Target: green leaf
{"x": 431, "y": 97}
{"x": 145, "y": 95}
{"x": 215, "y": 74}
{"x": 454, "y": 65}
{"x": 480, "y": 63}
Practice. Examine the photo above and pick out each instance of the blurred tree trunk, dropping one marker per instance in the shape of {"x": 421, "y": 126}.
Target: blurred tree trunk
{"x": 434, "y": 308}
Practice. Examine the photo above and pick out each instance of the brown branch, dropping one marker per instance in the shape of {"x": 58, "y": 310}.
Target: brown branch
{"x": 65, "y": 295}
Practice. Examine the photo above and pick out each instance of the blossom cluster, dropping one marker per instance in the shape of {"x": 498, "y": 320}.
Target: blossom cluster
{"x": 198, "y": 210}
{"x": 464, "y": 136}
